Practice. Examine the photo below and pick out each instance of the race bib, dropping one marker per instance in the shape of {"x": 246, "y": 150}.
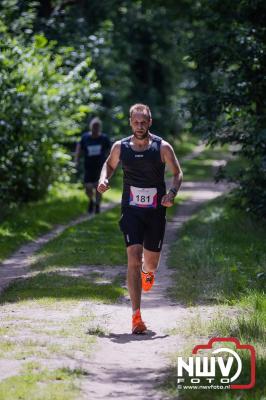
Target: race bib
{"x": 143, "y": 197}
{"x": 94, "y": 150}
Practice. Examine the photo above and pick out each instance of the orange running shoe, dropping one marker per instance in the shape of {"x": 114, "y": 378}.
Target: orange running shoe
{"x": 147, "y": 280}
{"x": 138, "y": 325}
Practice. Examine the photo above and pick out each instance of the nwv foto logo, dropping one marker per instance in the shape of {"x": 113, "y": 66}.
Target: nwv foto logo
{"x": 212, "y": 367}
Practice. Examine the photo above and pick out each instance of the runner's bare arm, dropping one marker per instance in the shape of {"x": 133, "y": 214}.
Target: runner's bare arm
{"x": 169, "y": 157}
{"x": 109, "y": 167}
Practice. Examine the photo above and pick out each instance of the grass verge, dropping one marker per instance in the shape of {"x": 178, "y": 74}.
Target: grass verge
{"x": 63, "y": 203}
{"x": 58, "y": 286}
{"x": 220, "y": 254}
{"x": 28, "y": 221}
{"x": 37, "y": 383}
{"x": 220, "y": 258}
{"x": 183, "y": 144}
{"x": 203, "y": 166}
{"x": 97, "y": 241}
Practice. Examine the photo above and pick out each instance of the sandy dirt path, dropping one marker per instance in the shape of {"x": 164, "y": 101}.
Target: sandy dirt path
{"x": 129, "y": 366}
{"x": 123, "y": 366}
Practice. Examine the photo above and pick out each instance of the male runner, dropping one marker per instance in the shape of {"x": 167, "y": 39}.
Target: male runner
{"x": 143, "y": 157}
{"x": 95, "y": 145}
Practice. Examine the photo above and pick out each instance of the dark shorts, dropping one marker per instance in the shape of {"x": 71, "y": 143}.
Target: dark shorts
{"x": 143, "y": 226}
{"x": 92, "y": 176}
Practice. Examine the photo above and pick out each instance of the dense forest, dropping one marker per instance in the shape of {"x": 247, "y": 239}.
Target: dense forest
{"x": 200, "y": 65}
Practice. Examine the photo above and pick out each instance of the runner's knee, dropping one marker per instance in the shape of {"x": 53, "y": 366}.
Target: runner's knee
{"x": 134, "y": 254}
{"x": 89, "y": 190}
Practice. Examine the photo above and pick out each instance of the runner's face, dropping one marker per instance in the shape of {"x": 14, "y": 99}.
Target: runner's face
{"x": 140, "y": 123}
{"x": 96, "y": 128}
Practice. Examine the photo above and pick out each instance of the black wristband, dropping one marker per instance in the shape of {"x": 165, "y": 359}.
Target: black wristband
{"x": 173, "y": 190}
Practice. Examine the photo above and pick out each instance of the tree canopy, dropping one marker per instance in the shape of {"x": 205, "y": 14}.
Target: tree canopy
{"x": 199, "y": 65}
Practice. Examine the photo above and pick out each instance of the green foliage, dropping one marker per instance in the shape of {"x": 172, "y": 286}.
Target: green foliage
{"x": 197, "y": 64}
{"x": 41, "y": 102}
{"x": 134, "y": 51}
{"x": 225, "y": 64}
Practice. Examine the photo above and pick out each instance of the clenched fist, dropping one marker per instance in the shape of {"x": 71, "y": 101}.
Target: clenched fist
{"x": 168, "y": 200}
{"x": 103, "y": 185}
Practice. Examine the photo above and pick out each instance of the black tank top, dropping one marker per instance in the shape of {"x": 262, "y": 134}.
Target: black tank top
{"x": 142, "y": 169}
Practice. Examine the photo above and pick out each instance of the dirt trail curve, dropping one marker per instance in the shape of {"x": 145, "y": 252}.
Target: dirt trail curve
{"x": 129, "y": 366}
{"x": 126, "y": 366}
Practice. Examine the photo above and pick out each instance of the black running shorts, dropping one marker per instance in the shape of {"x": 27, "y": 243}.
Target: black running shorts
{"x": 92, "y": 176}
{"x": 143, "y": 226}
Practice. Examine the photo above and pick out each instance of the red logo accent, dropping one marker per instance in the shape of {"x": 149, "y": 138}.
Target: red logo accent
{"x": 239, "y": 346}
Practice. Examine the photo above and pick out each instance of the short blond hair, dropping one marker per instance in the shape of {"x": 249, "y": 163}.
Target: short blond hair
{"x": 138, "y": 107}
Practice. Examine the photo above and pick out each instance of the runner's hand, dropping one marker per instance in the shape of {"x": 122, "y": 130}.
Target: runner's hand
{"x": 103, "y": 186}
{"x": 168, "y": 200}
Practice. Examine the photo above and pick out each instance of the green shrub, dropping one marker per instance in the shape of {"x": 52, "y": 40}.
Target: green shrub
{"x": 42, "y": 101}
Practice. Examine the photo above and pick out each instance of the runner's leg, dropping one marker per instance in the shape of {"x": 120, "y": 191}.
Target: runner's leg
{"x": 134, "y": 254}
{"x": 153, "y": 240}
{"x": 89, "y": 190}
{"x": 150, "y": 260}
{"x": 89, "y": 193}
